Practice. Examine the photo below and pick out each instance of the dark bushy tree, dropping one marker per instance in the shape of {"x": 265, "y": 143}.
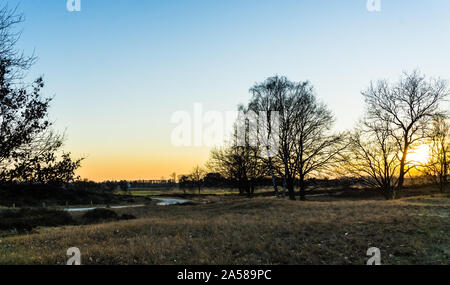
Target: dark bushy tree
{"x": 28, "y": 150}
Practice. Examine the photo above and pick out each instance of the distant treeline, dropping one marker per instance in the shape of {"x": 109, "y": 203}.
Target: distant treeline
{"x": 216, "y": 180}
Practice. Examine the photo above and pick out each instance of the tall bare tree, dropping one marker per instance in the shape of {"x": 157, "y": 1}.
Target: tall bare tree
{"x": 306, "y": 145}
{"x": 264, "y": 101}
{"x": 286, "y": 105}
{"x": 406, "y": 108}
{"x": 316, "y": 147}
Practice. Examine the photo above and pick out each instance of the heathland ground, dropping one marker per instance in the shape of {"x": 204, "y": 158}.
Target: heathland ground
{"x": 262, "y": 230}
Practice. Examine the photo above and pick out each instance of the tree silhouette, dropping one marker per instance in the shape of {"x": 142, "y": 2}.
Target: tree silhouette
{"x": 27, "y": 146}
{"x": 197, "y": 176}
{"x": 398, "y": 117}
{"x": 373, "y": 157}
{"x": 239, "y": 162}
{"x": 408, "y": 106}
{"x": 306, "y": 145}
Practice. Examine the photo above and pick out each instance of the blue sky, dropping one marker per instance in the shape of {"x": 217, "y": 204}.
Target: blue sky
{"x": 119, "y": 68}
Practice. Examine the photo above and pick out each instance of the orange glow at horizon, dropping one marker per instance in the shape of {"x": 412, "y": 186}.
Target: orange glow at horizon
{"x": 163, "y": 161}
{"x": 142, "y": 166}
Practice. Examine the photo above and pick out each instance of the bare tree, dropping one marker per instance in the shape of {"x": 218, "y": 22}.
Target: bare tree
{"x": 184, "y": 182}
{"x": 316, "y": 148}
{"x": 265, "y": 101}
{"x": 373, "y": 157}
{"x": 197, "y": 176}
{"x": 438, "y": 165}
{"x": 240, "y": 162}
{"x": 15, "y": 62}
{"x": 173, "y": 177}
{"x": 305, "y": 143}
{"x": 406, "y": 108}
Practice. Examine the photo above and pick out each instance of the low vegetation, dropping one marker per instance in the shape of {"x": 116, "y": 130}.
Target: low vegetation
{"x": 27, "y": 219}
{"x": 36, "y": 195}
{"x": 237, "y": 230}
{"x": 103, "y": 215}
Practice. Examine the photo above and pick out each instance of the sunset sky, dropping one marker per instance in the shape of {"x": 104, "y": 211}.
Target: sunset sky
{"x": 119, "y": 69}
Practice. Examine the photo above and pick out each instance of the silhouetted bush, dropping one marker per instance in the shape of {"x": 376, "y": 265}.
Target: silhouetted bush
{"x": 28, "y": 219}
{"x": 104, "y": 215}
{"x": 127, "y": 217}
{"x": 99, "y": 215}
{"x": 32, "y": 195}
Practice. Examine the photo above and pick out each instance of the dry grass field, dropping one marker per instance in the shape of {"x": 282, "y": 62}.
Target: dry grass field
{"x": 236, "y": 230}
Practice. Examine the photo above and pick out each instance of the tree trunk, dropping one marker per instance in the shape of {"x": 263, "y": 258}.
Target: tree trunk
{"x": 445, "y": 175}
{"x": 252, "y": 189}
{"x": 446, "y": 171}
{"x": 390, "y": 193}
{"x": 243, "y": 186}
{"x": 274, "y": 182}
{"x": 290, "y": 187}
{"x": 401, "y": 177}
{"x": 247, "y": 190}
{"x": 302, "y": 188}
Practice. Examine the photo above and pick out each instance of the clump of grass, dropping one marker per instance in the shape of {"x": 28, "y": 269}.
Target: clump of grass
{"x": 27, "y": 219}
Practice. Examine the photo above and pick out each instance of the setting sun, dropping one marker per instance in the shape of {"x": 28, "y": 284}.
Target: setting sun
{"x": 420, "y": 154}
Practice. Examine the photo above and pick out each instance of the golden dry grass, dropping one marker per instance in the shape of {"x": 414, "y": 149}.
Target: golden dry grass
{"x": 252, "y": 231}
